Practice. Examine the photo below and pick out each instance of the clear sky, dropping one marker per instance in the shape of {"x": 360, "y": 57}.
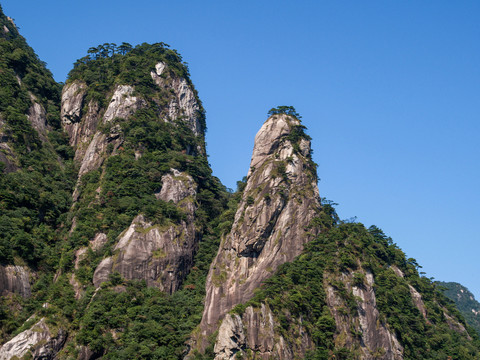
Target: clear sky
{"x": 389, "y": 90}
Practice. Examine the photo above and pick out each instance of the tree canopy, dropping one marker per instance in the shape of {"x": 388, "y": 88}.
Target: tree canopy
{"x": 288, "y": 110}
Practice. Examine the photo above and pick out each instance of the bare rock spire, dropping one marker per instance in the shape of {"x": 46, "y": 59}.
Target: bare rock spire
{"x": 271, "y": 225}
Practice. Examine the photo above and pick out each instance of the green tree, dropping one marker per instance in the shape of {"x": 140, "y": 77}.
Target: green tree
{"x": 288, "y": 110}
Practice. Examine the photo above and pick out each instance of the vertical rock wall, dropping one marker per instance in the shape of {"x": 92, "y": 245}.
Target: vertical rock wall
{"x": 271, "y": 224}
{"x": 160, "y": 255}
{"x": 15, "y": 279}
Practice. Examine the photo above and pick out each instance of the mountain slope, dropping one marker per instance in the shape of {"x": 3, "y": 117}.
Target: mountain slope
{"x": 351, "y": 294}
{"x": 465, "y": 301}
{"x": 278, "y": 203}
{"x": 117, "y": 241}
{"x": 36, "y": 176}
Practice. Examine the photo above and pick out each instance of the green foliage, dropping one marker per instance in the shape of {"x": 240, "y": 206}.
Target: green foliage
{"x": 288, "y": 110}
{"x": 126, "y": 320}
{"x": 464, "y": 300}
{"x": 37, "y": 179}
{"x": 298, "y": 290}
{"x": 108, "y": 65}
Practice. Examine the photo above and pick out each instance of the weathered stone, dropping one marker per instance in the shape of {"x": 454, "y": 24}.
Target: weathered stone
{"x": 38, "y": 341}
{"x": 176, "y": 187}
{"x": 15, "y": 279}
{"x": 230, "y": 339}
{"x": 38, "y": 118}
{"x": 81, "y": 132}
{"x": 255, "y": 332}
{"x": 73, "y": 95}
{"x": 184, "y": 103}
{"x": 376, "y": 340}
{"x": 90, "y": 144}
{"x": 417, "y": 300}
{"x": 270, "y": 227}
{"x": 123, "y": 103}
{"x": 160, "y": 255}
{"x": 98, "y": 241}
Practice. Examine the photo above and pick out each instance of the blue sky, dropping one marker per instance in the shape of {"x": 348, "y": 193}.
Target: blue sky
{"x": 389, "y": 90}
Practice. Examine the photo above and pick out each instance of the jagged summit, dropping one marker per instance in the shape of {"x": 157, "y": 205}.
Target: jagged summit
{"x": 272, "y": 221}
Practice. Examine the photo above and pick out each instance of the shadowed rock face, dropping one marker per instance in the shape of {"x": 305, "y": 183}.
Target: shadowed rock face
{"x": 256, "y": 331}
{"x": 89, "y": 143}
{"x": 15, "y": 279}
{"x": 271, "y": 223}
{"x": 376, "y": 340}
{"x": 160, "y": 255}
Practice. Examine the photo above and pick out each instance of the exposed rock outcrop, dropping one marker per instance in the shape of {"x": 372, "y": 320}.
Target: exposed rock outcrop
{"x": 39, "y": 342}
{"x": 270, "y": 227}
{"x": 89, "y": 143}
{"x": 184, "y": 103}
{"x": 73, "y": 95}
{"x": 417, "y": 300}
{"x": 160, "y": 255}
{"x": 123, "y": 103}
{"x": 254, "y": 335}
{"x": 375, "y": 341}
{"x": 7, "y": 155}
{"x": 38, "y": 118}
{"x": 82, "y": 121}
{"x": 15, "y": 279}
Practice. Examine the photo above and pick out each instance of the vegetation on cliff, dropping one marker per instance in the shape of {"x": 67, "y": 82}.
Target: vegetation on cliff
{"x": 44, "y": 228}
{"x": 298, "y": 290}
{"x": 106, "y": 66}
{"x": 464, "y": 300}
{"x": 36, "y": 172}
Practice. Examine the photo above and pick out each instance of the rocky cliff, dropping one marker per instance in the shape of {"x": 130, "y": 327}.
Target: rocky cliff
{"x": 117, "y": 242}
{"x": 101, "y": 128}
{"x": 255, "y": 334}
{"x": 15, "y": 279}
{"x": 272, "y": 221}
{"x": 160, "y": 255}
{"x": 38, "y": 342}
{"x": 35, "y": 182}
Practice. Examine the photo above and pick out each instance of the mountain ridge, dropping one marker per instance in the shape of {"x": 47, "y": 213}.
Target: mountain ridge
{"x": 145, "y": 235}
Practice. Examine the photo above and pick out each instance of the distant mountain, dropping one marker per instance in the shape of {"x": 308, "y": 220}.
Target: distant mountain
{"x": 465, "y": 301}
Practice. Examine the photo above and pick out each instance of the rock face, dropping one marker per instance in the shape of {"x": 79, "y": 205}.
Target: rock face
{"x": 89, "y": 143}
{"x": 271, "y": 223}
{"x": 15, "y": 279}
{"x": 39, "y": 342}
{"x": 183, "y": 104}
{"x": 123, "y": 103}
{"x": 38, "y": 118}
{"x": 72, "y": 103}
{"x": 160, "y": 255}
{"x": 376, "y": 340}
{"x": 255, "y": 333}
{"x": 82, "y": 121}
